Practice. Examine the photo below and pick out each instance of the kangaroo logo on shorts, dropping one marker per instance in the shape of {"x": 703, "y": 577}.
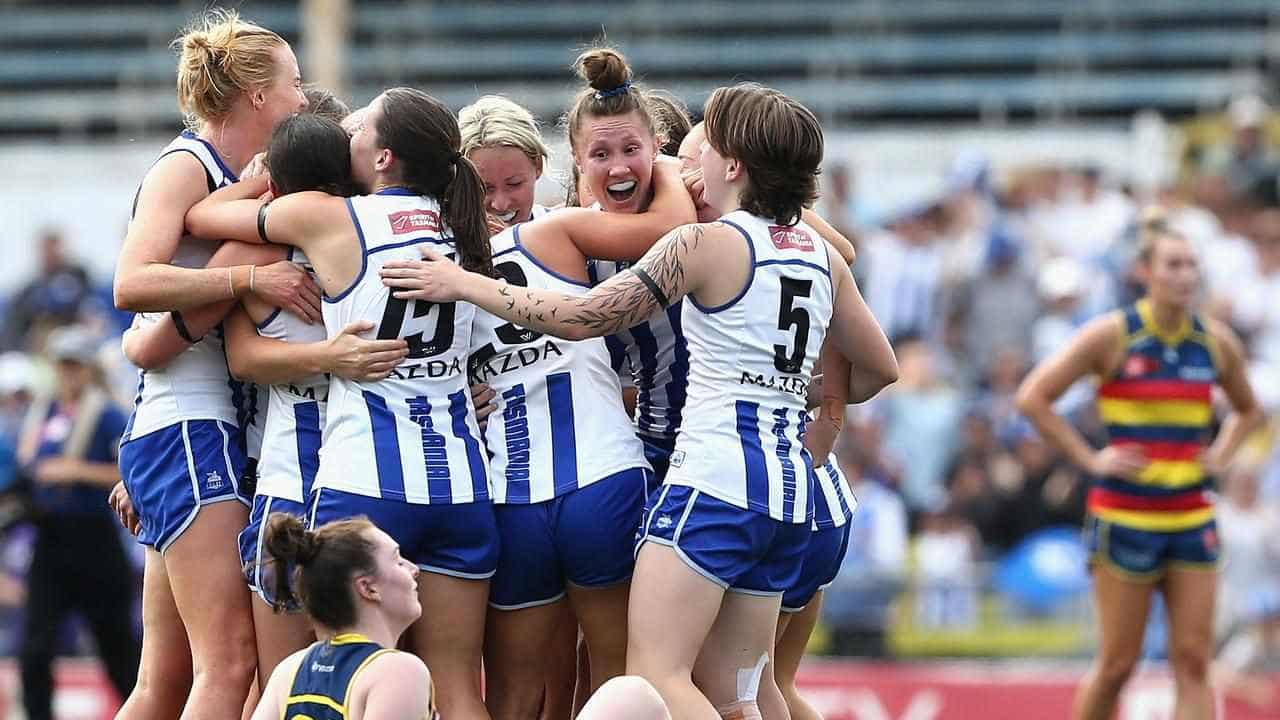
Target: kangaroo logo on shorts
{"x": 677, "y": 459}
{"x": 664, "y": 522}
{"x": 213, "y": 481}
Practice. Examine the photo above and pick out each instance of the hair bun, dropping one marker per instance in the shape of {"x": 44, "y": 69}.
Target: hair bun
{"x": 603, "y": 68}
{"x": 1153, "y": 219}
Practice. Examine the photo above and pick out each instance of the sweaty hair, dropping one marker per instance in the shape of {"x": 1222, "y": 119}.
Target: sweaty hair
{"x": 494, "y": 121}
{"x": 777, "y": 139}
{"x": 608, "y": 92}
{"x": 316, "y": 567}
{"x": 221, "y": 56}
{"x": 671, "y": 116}
{"x": 423, "y": 136}
{"x": 310, "y": 152}
{"x": 324, "y": 103}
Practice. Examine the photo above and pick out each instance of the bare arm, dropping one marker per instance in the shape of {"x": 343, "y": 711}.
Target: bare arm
{"x": 834, "y": 237}
{"x": 230, "y": 213}
{"x": 820, "y": 434}
{"x": 269, "y": 361}
{"x": 623, "y": 236}
{"x": 399, "y": 687}
{"x": 269, "y": 706}
{"x": 153, "y": 346}
{"x": 859, "y": 338}
{"x": 1246, "y": 415}
{"x": 677, "y": 265}
{"x": 145, "y": 281}
{"x": 1092, "y": 351}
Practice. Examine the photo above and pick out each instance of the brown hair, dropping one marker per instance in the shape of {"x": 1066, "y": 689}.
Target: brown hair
{"x": 423, "y": 135}
{"x": 1153, "y": 226}
{"x": 671, "y": 117}
{"x": 609, "y": 91}
{"x": 777, "y": 139}
{"x": 221, "y": 56}
{"x": 324, "y": 103}
{"x": 316, "y": 567}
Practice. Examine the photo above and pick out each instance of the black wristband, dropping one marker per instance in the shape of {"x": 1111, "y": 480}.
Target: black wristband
{"x": 181, "y": 325}
{"x": 658, "y": 295}
{"x": 262, "y": 222}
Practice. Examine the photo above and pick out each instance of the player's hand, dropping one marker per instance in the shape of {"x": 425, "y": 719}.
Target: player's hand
{"x": 435, "y": 278}
{"x": 1213, "y": 462}
{"x": 482, "y": 397}
{"x": 1118, "y": 461}
{"x": 356, "y": 358}
{"x": 820, "y": 438}
{"x": 257, "y": 166}
{"x": 286, "y": 285}
{"x": 122, "y": 506}
{"x": 495, "y": 223}
{"x": 693, "y": 182}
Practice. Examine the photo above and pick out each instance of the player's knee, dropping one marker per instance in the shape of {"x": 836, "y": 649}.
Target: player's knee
{"x": 626, "y": 697}
{"x": 1190, "y": 661}
{"x": 1114, "y": 672}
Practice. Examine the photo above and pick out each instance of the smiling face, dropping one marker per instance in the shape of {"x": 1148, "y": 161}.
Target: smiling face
{"x": 509, "y": 177}
{"x": 615, "y": 155}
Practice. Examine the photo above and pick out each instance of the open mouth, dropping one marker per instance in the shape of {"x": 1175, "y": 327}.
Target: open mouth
{"x": 506, "y": 217}
{"x": 621, "y": 192}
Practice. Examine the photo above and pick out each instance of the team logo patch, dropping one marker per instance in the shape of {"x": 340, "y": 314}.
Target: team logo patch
{"x": 1138, "y": 365}
{"x": 1210, "y": 539}
{"x": 790, "y": 238}
{"x": 677, "y": 459}
{"x": 213, "y": 480}
{"x": 413, "y": 221}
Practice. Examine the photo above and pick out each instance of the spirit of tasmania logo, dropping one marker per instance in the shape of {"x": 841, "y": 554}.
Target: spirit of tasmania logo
{"x": 413, "y": 221}
{"x": 790, "y": 238}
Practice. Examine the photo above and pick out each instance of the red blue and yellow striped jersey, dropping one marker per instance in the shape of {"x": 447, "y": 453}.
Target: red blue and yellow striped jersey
{"x": 1159, "y": 402}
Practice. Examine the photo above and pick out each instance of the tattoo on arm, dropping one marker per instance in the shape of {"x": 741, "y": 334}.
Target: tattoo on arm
{"x": 621, "y": 302}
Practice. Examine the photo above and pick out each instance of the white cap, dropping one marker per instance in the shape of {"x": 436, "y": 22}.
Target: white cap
{"x": 73, "y": 342}
{"x": 1060, "y": 278}
{"x": 1248, "y": 111}
{"x": 16, "y": 373}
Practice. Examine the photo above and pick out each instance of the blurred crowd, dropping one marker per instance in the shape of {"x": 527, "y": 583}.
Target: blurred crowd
{"x": 974, "y": 285}
{"x": 978, "y": 283}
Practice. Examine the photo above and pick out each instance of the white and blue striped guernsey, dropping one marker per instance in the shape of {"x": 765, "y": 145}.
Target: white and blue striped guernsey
{"x": 559, "y": 423}
{"x": 834, "y": 502}
{"x": 752, "y": 360}
{"x": 412, "y": 436}
{"x": 658, "y": 357}
{"x": 295, "y": 413}
{"x": 196, "y": 385}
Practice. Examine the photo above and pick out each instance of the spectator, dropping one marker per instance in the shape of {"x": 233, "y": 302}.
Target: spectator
{"x": 68, "y": 445}
{"x": 921, "y": 423}
{"x": 858, "y": 603}
{"x": 51, "y": 299}
{"x": 998, "y": 307}
{"x": 1247, "y": 158}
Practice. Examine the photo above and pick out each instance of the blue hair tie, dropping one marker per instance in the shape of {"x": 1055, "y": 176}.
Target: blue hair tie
{"x": 614, "y": 92}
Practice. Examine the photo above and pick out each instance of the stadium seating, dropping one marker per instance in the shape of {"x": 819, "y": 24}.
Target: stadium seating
{"x": 109, "y": 68}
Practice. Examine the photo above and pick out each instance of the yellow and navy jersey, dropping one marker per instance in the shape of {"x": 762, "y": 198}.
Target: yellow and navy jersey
{"x": 323, "y": 680}
{"x": 1159, "y": 402}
